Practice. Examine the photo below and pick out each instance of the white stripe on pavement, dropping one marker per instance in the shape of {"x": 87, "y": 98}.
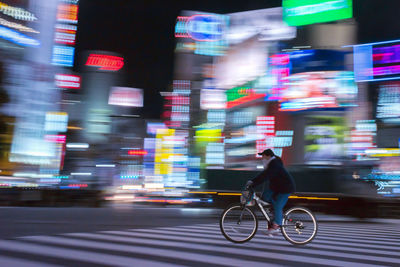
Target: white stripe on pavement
{"x": 169, "y": 253}
{"x": 335, "y": 245}
{"x": 79, "y": 255}
{"x": 266, "y": 242}
{"x": 8, "y": 261}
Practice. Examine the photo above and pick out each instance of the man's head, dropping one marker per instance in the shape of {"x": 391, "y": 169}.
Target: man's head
{"x": 267, "y": 154}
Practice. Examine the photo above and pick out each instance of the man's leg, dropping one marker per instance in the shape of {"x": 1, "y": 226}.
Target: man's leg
{"x": 267, "y": 196}
{"x": 279, "y": 203}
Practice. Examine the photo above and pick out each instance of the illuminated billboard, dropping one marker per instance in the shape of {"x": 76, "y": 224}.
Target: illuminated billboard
{"x": 126, "y": 96}
{"x": 242, "y": 63}
{"x": 388, "y": 107}
{"x": 266, "y": 24}
{"x": 305, "y": 12}
{"x": 316, "y": 90}
{"x": 324, "y": 139}
{"x": 377, "y": 61}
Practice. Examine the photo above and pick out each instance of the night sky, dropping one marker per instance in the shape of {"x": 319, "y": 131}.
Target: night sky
{"x": 143, "y": 33}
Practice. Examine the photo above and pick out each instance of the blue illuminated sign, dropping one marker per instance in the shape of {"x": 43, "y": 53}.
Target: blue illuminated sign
{"x": 63, "y": 56}
{"x": 207, "y": 28}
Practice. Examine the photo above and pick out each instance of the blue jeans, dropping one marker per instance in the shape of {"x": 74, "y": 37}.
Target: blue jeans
{"x": 278, "y": 201}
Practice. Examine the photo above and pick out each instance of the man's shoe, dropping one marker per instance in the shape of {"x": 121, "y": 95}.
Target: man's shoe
{"x": 273, "y": 229}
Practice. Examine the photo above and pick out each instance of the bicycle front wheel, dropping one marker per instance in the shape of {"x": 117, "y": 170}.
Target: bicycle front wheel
{"x": 238, "y": 223}
{"x": 299, "y": 226}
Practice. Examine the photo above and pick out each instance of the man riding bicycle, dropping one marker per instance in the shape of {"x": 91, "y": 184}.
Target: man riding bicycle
{"x": 280, "y": 186}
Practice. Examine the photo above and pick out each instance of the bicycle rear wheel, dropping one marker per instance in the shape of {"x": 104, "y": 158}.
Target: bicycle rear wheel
{"x": 299, "y": 226}
{"x": 238, "y": 223}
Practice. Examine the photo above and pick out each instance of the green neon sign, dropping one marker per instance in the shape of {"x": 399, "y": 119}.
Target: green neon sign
{"x": 304, "y": 12}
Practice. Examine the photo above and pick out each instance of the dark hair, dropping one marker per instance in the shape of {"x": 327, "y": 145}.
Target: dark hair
{"x": 267, "y": 152}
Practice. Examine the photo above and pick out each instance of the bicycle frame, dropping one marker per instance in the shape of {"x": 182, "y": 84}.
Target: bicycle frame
{"x": 260, "y": 204}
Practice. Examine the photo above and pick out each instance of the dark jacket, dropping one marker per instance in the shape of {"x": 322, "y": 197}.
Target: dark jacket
{"x": 280, "y": 181}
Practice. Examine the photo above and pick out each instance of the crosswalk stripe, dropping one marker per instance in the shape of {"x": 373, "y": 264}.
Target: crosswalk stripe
{"x": 341, "y": 242}
{"x": 322, "y": 232}
{"x": 8, "y": 261}
{"x": 231, "y": 261}
{"x": 257, "y": 240}
{"x": 64, "y": 253}
{"x": 336, "y": 244}
{"x": 171, "y": 253}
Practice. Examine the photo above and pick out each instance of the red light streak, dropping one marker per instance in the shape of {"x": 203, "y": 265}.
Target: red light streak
{"x": 105, "y": 62}
{"x": 137, "y": 152}
{"x": 78, "y": 185}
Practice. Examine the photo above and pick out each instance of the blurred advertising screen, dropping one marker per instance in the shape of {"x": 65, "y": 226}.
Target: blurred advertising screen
{"x": 317, "y": 90}
{"x": 305, "y": 12}
{"x": 317, "y": 60}
{"x": 242, "y": 63}
{"x": 267, "y": 24}
{"x": 377, "y": 61}
{"x": 388, "y": 106}
{"x": 324, "y": 139}
{"x": 126, "y": 96}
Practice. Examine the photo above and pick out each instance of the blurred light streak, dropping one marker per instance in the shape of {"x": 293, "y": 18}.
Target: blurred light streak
{"x": 16, "y": 26}
{"x": 137, "y": 152}
{"x": 153, "y": 185}
{"x": 17, "y": 38}
{"x": 230, "y": 194}
{"x": 16, "y": 12}
{"x": 74, "y": 128}
{"x": 105, "y": 165}
{"x": 315, "y": 198}
{"x": 386, "y": 152}
{"x": 77, "y": 145}
{"x": 200, "y": 192}
{"x": 81, "y": 173}
{"x": 132, "y": 187}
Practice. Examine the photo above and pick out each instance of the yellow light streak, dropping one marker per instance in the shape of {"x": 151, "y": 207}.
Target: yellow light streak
{"x": 194, "y": 192}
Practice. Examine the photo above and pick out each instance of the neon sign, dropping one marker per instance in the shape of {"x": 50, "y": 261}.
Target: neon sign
{"x": 63, "y": 56}
{"x": 206, "y": 28}
{"x": 297, "y": 13}
{"x": 67, "y": 13}
{"x": 68, "y": 81}
{"x": 377, "y": 61}
{"x": 105, "y": 62}
{"x": 137, "y": 152}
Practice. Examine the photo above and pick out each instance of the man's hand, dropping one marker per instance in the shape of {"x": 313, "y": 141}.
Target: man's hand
{"x": 249, "y": 183}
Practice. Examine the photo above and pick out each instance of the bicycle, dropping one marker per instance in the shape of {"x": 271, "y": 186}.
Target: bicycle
{"x": 239, "y": 223}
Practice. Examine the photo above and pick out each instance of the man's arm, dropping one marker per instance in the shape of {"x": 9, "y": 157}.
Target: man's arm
{"x": 266, "y": 174}
{"x": 260, "y": 178}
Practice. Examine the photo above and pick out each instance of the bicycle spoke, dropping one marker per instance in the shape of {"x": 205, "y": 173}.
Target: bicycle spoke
{"x": 300, "y": 226}
{"x": 238, "y": 224}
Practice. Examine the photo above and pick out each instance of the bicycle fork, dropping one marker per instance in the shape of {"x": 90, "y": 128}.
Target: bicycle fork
{"x": 241, "y": 215}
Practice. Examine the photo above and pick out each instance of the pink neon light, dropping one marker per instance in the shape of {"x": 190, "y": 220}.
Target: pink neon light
{"x": 55, "y": 138}
{"x": 280, "y": 59}
{"x": 68, "y": 81}
{"x": 389, "y": 70}
{"x": 105, "y": 62}
{"x": 182, "y": 34}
